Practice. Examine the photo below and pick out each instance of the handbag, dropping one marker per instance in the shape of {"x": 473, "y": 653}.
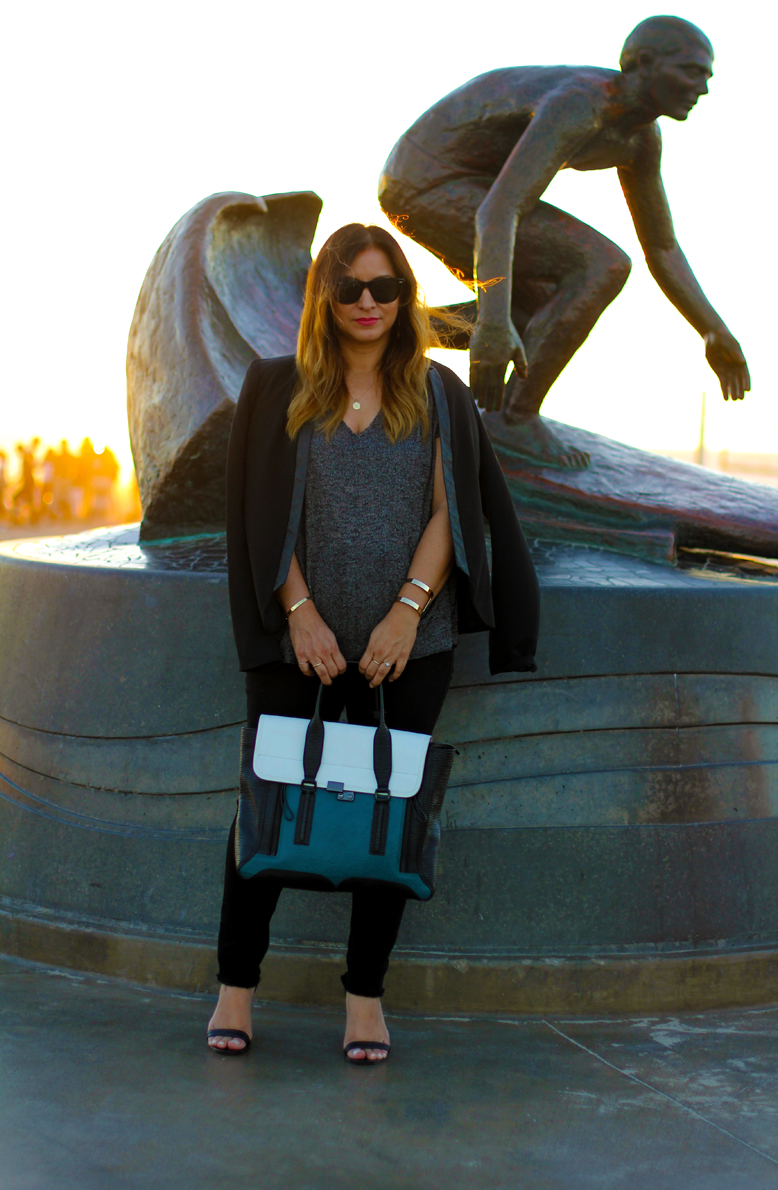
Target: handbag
{"x": 336, "y": 806}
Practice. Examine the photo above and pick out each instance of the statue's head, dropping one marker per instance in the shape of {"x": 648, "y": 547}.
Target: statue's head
{"x": 671, "y": 61}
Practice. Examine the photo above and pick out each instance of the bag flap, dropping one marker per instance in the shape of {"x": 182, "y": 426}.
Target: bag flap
{"x": 347, "y": 757}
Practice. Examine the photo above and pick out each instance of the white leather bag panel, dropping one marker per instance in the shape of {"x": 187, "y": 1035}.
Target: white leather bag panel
{"x": 347, "y": 756}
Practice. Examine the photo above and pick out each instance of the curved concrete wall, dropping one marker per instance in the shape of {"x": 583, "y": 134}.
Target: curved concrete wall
{"x": 620, "y": 801}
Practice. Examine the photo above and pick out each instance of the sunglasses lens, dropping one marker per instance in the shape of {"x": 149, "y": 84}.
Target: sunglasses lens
{"x": 385, "y": 289}
{"x": 349, "y": 291}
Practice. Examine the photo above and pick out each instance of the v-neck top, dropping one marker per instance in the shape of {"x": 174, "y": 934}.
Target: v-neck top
{"x": 367, "y": 504}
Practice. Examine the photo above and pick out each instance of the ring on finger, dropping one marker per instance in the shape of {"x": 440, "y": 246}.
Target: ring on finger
{"x": 316, "y": 664}
{"x": 388, "y": 664}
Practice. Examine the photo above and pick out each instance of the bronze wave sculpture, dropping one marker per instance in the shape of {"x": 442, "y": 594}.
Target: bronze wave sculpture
{"x": 225, "y": 286}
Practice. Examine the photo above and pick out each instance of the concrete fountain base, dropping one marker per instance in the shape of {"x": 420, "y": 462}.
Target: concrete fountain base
{"x": 611, "y": 833}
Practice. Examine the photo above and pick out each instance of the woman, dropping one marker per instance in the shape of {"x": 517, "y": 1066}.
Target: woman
{"x": 357, "y": 481}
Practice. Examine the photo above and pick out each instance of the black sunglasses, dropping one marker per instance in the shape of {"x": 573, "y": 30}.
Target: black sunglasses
{"x": 383, "y": 290}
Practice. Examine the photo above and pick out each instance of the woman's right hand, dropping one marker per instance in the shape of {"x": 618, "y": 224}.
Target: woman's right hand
{"x": 315, "y": 646}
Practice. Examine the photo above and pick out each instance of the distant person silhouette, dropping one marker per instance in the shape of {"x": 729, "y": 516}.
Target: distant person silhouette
{"x": 48, "y": 469}
{"x": 24, "y": 496}
{"x": 3, "y": 482}
{"x": 104, "y": 473}
{"x": 64, "y": 467}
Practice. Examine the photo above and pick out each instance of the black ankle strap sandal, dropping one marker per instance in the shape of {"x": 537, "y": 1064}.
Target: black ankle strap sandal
{"x": 366, "y": 1045}
{"x": 238, "y": 1033}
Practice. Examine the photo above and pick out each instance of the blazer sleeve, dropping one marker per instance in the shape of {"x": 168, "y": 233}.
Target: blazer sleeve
{"x": 246, "y": 619}
{"x": 515, "y": 590}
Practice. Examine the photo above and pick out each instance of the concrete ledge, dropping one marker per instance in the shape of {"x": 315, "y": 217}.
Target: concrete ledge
{"x": 417, "y": 983}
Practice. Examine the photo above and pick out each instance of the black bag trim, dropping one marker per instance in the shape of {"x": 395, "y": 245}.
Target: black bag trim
{"x": 261, "y": 806}
{"x": 302, "y": 827}
{"x": 379, "y": 827}
{"x": 421, "y": 829}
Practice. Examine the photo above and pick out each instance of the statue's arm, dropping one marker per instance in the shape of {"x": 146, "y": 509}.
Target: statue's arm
{"x": 563, "y": 122}
{"x": 647, "y": 202}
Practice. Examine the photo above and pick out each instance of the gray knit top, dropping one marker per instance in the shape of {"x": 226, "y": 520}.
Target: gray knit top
{"x": 367, "y": 503}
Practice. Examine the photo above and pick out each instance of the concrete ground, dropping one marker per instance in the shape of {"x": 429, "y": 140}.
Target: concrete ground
{"x": 107, "y": 1086}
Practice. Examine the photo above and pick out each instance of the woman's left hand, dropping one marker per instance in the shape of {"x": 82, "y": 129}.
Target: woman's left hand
{"x": 390, "y": 645}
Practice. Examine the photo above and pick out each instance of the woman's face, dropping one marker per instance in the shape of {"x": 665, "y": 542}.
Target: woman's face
{"x": 367, "y": 321}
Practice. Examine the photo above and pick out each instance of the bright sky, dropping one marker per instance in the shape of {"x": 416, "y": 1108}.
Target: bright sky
{"x": 119, "y": 118}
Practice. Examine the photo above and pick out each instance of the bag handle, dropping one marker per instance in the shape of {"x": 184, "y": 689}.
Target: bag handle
{"x": 382, "y": 754}
{"x": 382, "y": 767}
{"x": 314, "y": 749}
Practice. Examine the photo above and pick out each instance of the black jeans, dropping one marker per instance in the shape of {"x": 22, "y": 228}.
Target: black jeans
{"x": 412, "y": 703}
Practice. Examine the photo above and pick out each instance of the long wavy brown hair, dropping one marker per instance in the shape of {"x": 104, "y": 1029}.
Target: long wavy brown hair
{"x": 321, "y": 392}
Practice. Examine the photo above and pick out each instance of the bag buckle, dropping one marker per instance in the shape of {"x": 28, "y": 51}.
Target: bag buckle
{"x": 308, "y": 786}
{"x": 344, "y": 795}
{"x": 382, "y": 795}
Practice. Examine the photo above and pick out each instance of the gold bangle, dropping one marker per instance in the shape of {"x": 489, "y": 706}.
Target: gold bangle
{"x": 300, "y": 602}
{"x": 410, "y": 603}
{"x": 416, "y": 582}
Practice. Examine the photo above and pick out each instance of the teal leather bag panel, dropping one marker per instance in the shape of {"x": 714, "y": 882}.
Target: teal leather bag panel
{"x": 339, "y": 847}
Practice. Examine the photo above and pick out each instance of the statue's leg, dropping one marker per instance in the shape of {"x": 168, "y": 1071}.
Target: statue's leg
{"x": 565, "y": 275}
{"x": 441, "y": 219}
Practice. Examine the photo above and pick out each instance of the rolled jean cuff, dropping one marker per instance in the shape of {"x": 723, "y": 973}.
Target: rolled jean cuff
{"x": 238, "y": 979}
{"x": 362, "y": 987}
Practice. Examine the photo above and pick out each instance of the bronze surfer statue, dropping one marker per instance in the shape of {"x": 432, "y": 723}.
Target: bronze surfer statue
{"x": 466, "y": 181}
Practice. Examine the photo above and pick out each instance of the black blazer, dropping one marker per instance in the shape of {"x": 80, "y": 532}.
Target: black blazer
{"x": 266, "y": 473}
